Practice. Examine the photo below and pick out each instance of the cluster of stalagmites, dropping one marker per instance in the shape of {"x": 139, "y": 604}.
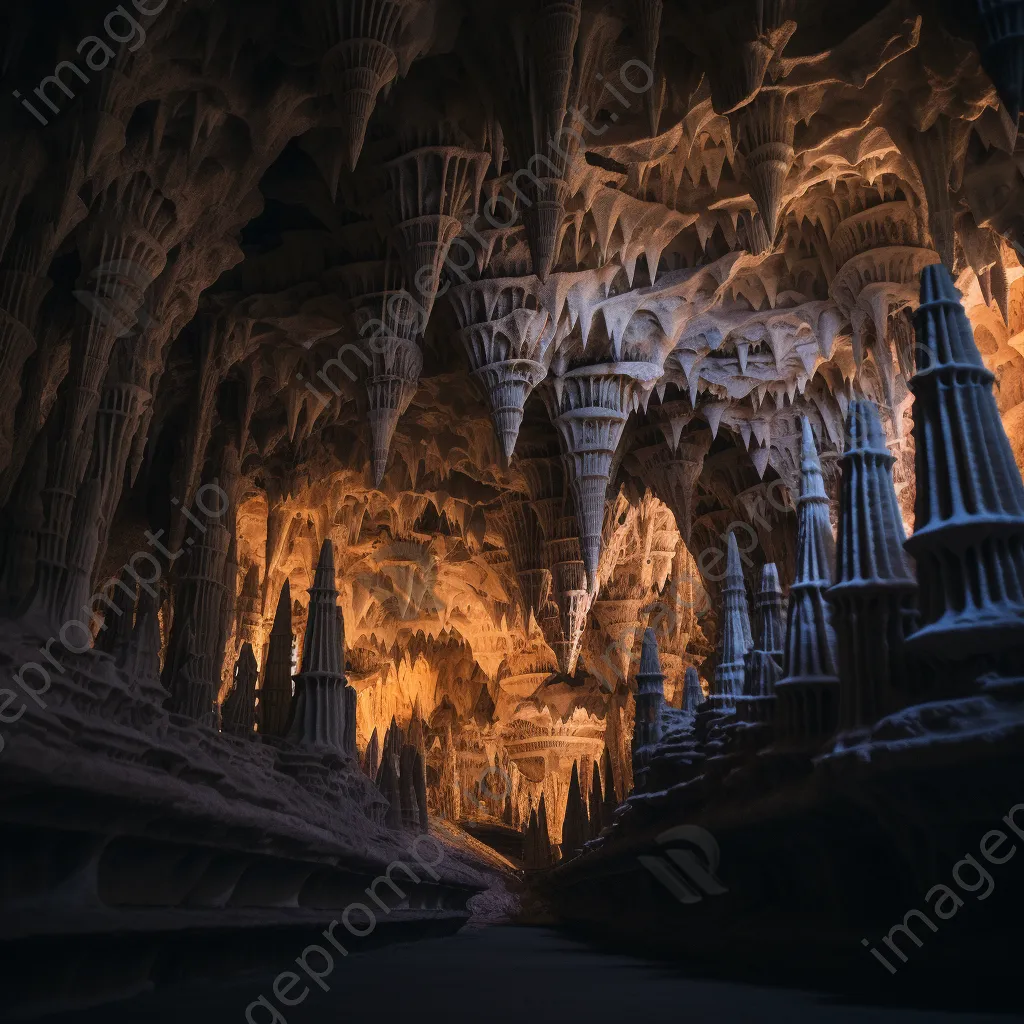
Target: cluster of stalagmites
{"x": 863, "y": 637}
{"x": 589, "y": 810}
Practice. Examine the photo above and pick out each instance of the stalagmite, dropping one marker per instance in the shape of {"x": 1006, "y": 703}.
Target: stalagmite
{"x": 139, "y": 658}
{"x": 735, "y": 631}
{"x": 875, "y": 591}
{"x": 764, "y": 663}
{"x": 575, "y": 826}
{"x": 319, "y": 719}
{"x": 693, "y": 694}
{"x": 807, "y": 705}
{"x": 371, "y": 759}
{"x": 543, "y": 836}
{"x": 968, "y": 541}
{"x": 238, "y": 712}
{"x": 276, "y": 690}
{"x": 596, "y": 804}
{"x": 650, "y": 698}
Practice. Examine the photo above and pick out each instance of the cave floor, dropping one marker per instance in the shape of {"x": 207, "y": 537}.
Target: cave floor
{"x": 525, "y": 975}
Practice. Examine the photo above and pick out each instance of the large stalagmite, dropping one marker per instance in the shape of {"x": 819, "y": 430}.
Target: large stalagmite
{"x": 318, "y": 722}
{"x": 808, "y": 694}
{"x": 875, "y": 591}
{"x": 967, "y": 541}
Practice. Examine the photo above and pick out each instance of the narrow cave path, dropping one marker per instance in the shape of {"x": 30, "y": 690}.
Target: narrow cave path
{"x": 518, "y": 975}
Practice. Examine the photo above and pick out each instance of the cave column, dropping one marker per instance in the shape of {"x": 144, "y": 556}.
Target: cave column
{"x": 125, "y": 248}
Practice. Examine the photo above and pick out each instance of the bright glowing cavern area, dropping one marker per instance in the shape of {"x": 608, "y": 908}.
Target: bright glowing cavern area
{"x": 511, "y": 433}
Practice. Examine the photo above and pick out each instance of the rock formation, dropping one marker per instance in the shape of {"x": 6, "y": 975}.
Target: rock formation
{"x": 875, "y": 592}
{"x": 808, "y": 694}
{"x": 442, "y": 361}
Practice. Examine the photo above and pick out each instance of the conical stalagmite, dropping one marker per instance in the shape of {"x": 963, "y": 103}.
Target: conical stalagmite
{"x": 764, "y": 663}
{"x": 575, "y": 826}
{"x": 875, "y": 591}
{"x": 610, "y": 799}
{"x": 371, "y": 758}
{"x": 596, "y": 803}
{"x": 319, "y": 719}
{"x": 238, "y": 712}
{"x": 968, "y": 541}
{"x": 693, "y": 693}
{"x": 276, "y": 691}
{"x": 650, "y": 699}
{"x": 389, "y": 785}
{"x": 543, "y": 836}
{"x": 531, "y": 858}
{"x": 736, "y": 637}
{"x": 807, "y": 705}
{"x": 139, "y": 659}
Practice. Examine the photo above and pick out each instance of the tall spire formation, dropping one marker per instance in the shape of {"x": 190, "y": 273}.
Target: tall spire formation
{"x": 764, "y": 664}
{"x": 650, "y": 699}
{"x": 276, "y": 691}
{"x": 319, "y": 719}
{"x": 807, "y": 705}
{"x": 874, "y": 593}
{"x": 736, "y": 637}
{"x": 968, "y": 541}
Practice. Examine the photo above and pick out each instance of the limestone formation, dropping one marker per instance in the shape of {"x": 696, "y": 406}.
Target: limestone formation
{"x": 764, "y": 662}
{"x": 875, "y": 593}
{"x": 275, "y": 697}
{"x": 735, "y": 631}
{"x": 424, "y": 354}
{"x": 318, "y": 721}
{"x": 970, "y": 498}
{"x": 238, "y": 712}
{"x": 575, "y": 826}
{"x": 693, "y": 694}
{"x": 807, "y": 695}
{"x": 650, "y": 696}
